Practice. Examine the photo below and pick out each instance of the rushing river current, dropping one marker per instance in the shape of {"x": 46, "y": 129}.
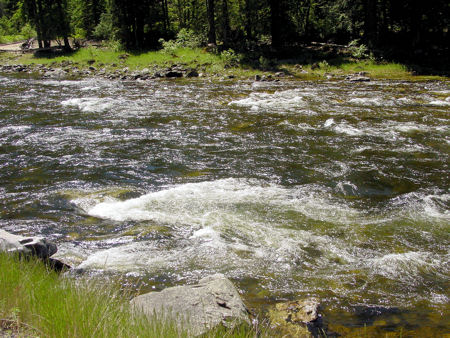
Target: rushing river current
{"x": 292, "y": 189}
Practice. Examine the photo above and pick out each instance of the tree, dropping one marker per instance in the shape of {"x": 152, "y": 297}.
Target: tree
{"x": 50, "y": 19}
{"x": 211, "y": 22}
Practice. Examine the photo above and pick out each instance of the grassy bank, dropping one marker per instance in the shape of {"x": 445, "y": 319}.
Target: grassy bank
{"x": 37, "y": 302}
{"x": 224, "y": 64}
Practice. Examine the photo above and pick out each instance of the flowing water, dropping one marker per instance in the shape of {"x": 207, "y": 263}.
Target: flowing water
{"x": 327, "y": 189}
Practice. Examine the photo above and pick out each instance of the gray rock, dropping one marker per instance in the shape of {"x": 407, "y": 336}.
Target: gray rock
{"x": 36, "y": 246}
{"x": 213, "y": 301}
{"x": 56, "y": 73}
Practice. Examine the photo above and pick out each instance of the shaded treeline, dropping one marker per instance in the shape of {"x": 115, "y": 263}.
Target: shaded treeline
{"x": 404, "y": 28}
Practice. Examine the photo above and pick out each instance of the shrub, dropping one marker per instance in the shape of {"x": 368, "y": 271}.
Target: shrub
{"x": 358, "y": 51}
{"x": 185, "y": 39}
{"x": 231, "y": 58}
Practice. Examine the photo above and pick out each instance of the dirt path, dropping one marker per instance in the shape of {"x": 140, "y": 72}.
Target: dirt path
{"x": 16, "y": 46}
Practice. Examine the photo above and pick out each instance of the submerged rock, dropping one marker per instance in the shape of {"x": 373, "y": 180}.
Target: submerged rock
{"x": 35, "y": 246}
{"x": 298, "y": 318}
{"x": 212, "y": 302}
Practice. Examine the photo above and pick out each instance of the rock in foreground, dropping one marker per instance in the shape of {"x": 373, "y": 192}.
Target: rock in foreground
{"x": 296, "y": 318}
{"x": 36, "y": 246}
{"x": 213, "y": 301}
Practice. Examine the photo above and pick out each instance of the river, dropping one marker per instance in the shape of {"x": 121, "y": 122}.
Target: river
{"x": 330, "y": 189}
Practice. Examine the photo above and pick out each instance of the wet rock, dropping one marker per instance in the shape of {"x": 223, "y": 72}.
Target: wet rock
{"x": 191, "y": 73}
{"x": 298, "y": 318}
{"x": 58, "y": 265}
{"x": 145, "y": 72}
{"x": 173, "y": 74}
{"x": 280, "y": 74}
{"x": 257, "y": 77}
{"x": 357, "y": 78}
{"x": 212, "y": 302}
{"x": 56, "y": 74}
{"x": 35, "y": 246}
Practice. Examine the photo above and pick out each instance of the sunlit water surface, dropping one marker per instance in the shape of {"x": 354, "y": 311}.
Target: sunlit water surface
{"x": 327, "y": 189}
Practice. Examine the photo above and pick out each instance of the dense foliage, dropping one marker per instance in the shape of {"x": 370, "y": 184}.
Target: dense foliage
{"x": 392, "y": 27}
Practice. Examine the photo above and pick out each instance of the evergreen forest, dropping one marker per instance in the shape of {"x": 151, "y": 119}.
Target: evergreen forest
{"x": 406, "y": 30}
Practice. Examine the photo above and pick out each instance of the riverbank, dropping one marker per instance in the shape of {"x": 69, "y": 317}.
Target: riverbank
{"x": 35, "y": 301}
{"x": 183, "y": 62}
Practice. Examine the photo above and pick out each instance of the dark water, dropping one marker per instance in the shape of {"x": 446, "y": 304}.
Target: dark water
{"x": 326, "y": 189}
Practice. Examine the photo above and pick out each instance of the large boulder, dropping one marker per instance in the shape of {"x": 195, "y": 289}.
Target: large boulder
{"x": 199, "y": 308}
{"x": 36, "y": 246}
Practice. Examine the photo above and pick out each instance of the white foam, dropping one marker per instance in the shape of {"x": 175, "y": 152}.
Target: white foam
{"x": 328, "y": 123}
{"x": 281, "y": 100}
{"x": 424, "y": 206}
{"x": 440, "y": 103}
{"x": 403, "y": 266}
{"x": 218, "y": 220}
{"x": 369, "y": 101}
{"x": 90, "y": 104}
{"x": 344, "y": 128}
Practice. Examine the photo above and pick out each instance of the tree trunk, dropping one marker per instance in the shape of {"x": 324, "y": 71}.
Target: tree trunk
{"x": 225, "y": 24}
{"x": 67, "y": 44}
{"x": 248, "y": 22}
{"x": 275, "y": 26}
{"x": 306, "y": 22}
{"x": 211, "y": 23}
{"x": 39, "y": 25}
{"x": 370, "y": 23}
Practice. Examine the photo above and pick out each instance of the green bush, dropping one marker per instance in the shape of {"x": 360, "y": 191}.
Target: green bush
{"x": 230, "y": 58}
{"x": 185, "y": 39}
{"x": 105, "y": 29}
{"x": 358, "y": 51}
{"x": 27, "y": 31}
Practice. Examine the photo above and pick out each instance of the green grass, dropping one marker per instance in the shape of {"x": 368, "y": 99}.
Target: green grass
{"x": 213, "y": 64}
{"x": 183, "y": 56}
{"x": 11, "y": 38}
{"x": 37, "y": 302}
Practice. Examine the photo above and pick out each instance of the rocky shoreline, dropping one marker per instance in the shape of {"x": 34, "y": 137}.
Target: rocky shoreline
{"x": 214, "y": 301}
{"x": 69, "y": 70}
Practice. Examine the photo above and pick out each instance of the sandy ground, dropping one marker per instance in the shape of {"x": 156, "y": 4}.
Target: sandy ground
{"x": 16, "y": 46}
